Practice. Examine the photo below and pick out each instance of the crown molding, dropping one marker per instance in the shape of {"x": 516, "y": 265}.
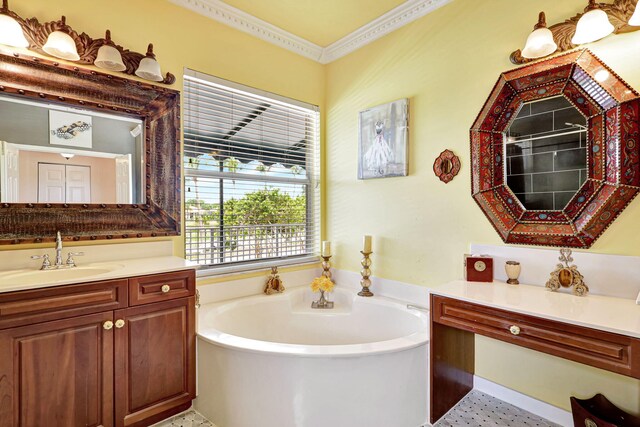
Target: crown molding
{"x": 233, "y": 17}
{"x": 396, "y": 18}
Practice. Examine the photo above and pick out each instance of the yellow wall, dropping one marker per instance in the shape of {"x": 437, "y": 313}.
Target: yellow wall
{"x": 447, "y": 63}
{"x": 181, "y": 39}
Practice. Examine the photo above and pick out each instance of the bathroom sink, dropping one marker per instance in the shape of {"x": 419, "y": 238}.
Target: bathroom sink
{"x": 33, "y": 277}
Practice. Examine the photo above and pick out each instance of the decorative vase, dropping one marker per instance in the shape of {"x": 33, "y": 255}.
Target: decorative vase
{"x": 512, "y": 268}
{"x": 322, "y": 302}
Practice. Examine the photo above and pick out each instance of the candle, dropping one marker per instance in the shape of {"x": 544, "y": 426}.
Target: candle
{"x": 366, "y": 247}
{"x": 326, "y": 248}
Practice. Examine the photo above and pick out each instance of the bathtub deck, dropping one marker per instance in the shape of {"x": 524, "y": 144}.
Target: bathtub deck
{"x": 475, "y": 410}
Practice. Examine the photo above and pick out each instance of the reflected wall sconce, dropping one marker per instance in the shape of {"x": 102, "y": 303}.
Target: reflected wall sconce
{"x": 596, "y": 22}
{"x": 10, "y": 30}
{"x": 59, "y": 40}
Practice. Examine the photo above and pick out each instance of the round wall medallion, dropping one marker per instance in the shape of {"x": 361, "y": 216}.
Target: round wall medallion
{"x": 446, "y": 166}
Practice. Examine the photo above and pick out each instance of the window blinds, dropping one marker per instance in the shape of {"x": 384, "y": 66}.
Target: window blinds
{"x": 251, "y": 174}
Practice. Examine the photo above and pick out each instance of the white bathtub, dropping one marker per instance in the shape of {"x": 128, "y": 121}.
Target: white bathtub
{"x": 272, "y": 361}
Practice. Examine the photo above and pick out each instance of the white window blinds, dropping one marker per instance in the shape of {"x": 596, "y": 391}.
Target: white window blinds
{"x": 251, "y": 174}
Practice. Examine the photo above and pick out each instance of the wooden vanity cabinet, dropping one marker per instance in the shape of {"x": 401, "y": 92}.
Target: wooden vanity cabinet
{"x": 80, "y": 355}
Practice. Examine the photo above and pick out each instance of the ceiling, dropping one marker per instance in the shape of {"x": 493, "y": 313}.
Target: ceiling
{"x": 321, "y": 30}
{"x": 321, "y": 22}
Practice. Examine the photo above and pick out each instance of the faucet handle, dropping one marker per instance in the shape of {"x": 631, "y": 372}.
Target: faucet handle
{"x": 45, "y": 260}
{"x": 70, "y": 260}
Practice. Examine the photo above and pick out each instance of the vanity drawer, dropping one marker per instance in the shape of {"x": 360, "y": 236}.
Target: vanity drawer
{"x": 161, "y": 287}
{"x": 45, "y": 304}
{"x": 606, "y": 350}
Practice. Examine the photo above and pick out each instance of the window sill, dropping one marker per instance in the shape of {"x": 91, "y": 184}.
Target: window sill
{"x": 222, "y": 271}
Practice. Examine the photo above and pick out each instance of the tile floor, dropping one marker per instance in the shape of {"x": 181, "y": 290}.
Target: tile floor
{"x": 475, "y": 410}
{"x": 190, "y": 418}
{"x": 481, "y": 410}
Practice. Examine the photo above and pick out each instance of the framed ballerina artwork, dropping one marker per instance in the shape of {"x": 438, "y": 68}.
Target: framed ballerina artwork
{"x": 383, "y": 140}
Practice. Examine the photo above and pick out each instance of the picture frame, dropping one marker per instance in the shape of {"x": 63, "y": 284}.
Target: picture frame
{"x": 70, "y": 129}
{"x": 383, "y": 140}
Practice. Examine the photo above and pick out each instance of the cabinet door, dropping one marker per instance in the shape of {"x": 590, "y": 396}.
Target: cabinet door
{"x": 155, "y": 361}
{"x": 57, "y": 374}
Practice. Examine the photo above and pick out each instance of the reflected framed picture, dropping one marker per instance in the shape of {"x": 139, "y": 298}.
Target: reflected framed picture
{"x": 383, "y": 140}
{"x": 69, "y": 129}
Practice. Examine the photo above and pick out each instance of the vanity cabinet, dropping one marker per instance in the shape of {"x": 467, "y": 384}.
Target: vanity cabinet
{"x": 82, "y": 355}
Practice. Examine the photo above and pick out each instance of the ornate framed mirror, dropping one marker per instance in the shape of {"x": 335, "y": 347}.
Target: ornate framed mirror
{"x": 91, "y": 155}
{"x": 555, "y": 151}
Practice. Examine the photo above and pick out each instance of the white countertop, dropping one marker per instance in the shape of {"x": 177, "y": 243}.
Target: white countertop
{"x": 617, "y": 315}
{"x": 23, "y": 279}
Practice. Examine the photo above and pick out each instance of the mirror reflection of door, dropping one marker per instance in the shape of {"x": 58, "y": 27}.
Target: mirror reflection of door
{"x": 59, "y": 183}
{"x": 124, "y": 182}
{"x": 9, "y": 173}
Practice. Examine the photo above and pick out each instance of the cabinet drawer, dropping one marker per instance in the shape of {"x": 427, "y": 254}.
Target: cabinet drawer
{"x": 161, "y": 287}
{"x": 606, "y": 350}
{"x": 60, "y": 302}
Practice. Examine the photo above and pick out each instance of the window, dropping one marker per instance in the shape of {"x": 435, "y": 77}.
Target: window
{"x": 251, "y": 185}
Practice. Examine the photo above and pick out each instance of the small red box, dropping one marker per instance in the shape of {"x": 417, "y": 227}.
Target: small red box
{"x": 478, "y": 268}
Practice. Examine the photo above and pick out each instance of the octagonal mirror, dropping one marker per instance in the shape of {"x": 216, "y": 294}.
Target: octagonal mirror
{"x": 555, "y": 151}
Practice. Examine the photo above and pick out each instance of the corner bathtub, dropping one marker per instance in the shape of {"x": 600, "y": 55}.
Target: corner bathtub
{"x": 272, "y": 361}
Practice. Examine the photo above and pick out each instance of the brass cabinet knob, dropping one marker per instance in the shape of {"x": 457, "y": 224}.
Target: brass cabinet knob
{"x": 165, "y": 289}
{"x": 107, "y": 325}
{"x": 119, "y": 323}
{"x": 515, "y": 330}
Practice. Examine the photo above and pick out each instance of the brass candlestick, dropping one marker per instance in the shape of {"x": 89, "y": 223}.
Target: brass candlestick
{"x": 365, "y": 272}
{"x": 326, "y": 266}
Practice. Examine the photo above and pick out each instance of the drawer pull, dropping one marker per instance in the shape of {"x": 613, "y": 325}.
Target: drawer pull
{"x": 515, "y": 330}
{"x": 107, "y": 325}
{"x": 119, "y": 323}
{"x": 165, "y": 289}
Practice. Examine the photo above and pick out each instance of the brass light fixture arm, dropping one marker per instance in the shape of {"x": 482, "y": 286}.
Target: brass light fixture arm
{"x": 619, "y": 13}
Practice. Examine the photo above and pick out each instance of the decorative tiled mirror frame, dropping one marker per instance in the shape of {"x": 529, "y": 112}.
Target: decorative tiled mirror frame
{"x": 612, "y": 109}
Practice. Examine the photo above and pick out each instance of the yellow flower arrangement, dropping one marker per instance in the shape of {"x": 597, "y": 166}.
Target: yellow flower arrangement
{"x": 322, "y": 283}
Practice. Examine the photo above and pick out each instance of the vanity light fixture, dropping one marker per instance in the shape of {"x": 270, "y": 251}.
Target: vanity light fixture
{"x": 149, "y": 68}
{"x": 67, "y": 156}
{"x": 593, "y": 25}
{"x": 109, "y": 56}
{"x": 61, "y": 45}
{"x": 598, "y": 20}
{"x": 11, "y": 33}
{"x": 635, "y": 18}
{"x": 540, "y": 42}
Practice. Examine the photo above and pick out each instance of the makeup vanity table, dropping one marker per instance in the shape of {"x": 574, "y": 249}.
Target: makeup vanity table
{"x": 599, "y": 331}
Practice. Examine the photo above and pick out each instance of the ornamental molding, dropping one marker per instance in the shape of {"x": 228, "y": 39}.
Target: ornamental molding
{"x": 396, "y": 18}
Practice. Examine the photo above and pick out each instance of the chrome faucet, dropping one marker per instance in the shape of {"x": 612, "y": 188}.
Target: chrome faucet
{"x": 46, "y": 263}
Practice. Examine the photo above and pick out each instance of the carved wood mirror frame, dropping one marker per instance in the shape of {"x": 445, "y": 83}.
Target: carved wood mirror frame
{"x": 612, "y": 109}
{"x": 159, "y": 110}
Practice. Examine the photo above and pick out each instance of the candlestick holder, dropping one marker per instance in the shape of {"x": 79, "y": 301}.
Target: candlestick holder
{"x": 365, "y": 272}
{"x": 326, "y": 266}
